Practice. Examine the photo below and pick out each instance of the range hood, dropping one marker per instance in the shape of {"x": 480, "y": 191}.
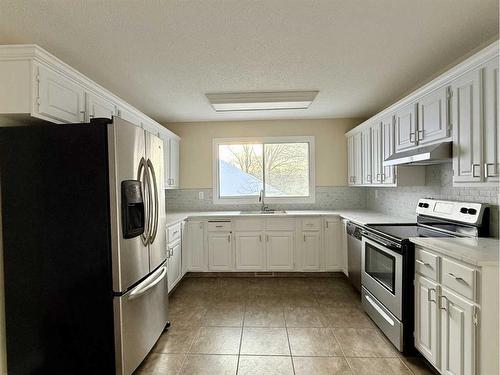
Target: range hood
{"x": 425, "y": 155}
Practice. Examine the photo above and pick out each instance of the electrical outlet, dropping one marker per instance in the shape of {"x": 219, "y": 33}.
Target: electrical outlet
{"x": 201, "y": 195}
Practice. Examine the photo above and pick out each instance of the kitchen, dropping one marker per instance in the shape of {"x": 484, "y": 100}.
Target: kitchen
{"x": 244, "y": 191}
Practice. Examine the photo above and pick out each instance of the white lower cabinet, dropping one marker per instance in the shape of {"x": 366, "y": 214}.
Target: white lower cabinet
{"x": 279, "y": 249}
{"x": 458, "y": 335}
{"x": 196, "y": 248}
{"x": 249, "y": 251}
{"x": 174, "y": 264}
{"x": 426, "y": 319}
{"x": 310, "y": 251}
{"x": 220, "y": 254}
{"x": 333, "y": 249}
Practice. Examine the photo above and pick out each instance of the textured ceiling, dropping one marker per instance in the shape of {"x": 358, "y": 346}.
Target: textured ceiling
{"x": 163, "y": 56}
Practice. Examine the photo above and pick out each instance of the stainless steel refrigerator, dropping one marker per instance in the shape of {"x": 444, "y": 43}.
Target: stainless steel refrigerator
{"x": 83, "y": 217}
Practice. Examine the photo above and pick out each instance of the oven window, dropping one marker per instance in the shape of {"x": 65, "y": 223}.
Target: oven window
{"x": 380, "y": 266}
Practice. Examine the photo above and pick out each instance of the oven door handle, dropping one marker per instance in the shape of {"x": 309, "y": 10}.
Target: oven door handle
{"x": 378, "y": 241}
{"x": 379, "y": 310}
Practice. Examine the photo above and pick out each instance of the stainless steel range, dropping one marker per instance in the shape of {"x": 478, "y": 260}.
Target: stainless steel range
{"x": 387, "y": 263}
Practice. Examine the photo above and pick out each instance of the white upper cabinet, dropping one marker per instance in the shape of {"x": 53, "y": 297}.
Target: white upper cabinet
{"x": 433, "y": 121}
{"x": 98, "y": 107}
{"x": 491, "y": 135}
{"x": 280, "y": 248}
{"x": 249, "y": 251}
{"x": 354, "y": 159}
{"x": 388, "y": 175}
{"x": 366, "y": 156}
{"x": 376, "y": 153}
{"x": 406, "y": 127}
{"x": 171, "y": 162}
{"x": 59, "y": 98}
{"x": 466, "y": 121}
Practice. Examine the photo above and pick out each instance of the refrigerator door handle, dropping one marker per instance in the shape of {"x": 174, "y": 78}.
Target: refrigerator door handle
{"x": 156, "y": 202}
{"x": 143, "y": 176}
{"x": 147, "y": 284}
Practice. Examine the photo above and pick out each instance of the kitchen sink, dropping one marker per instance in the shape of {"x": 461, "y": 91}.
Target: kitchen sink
{"x": 268, "y": 212}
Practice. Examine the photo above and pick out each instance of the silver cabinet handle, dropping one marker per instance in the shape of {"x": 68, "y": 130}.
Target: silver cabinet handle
{"x": 304, "y": 238}
{"x": 473, "y": 169}
{"x": 457, "y": 278}
{"x": 487, "y": 172}
{"x": 422, "y": 263}
{"x": 441, "y": 303}
{"x": 260, "y": 237}
{"x": 415, "y": 138}
{"x": 229, "y": 238}
{"x": 382, "y": 177}
{"x": 369, "y": 177}
{"x": 420, "y": 132}
{"x": 378, "y": 176}
{"x": 156, "y": 202}
{"x": 429, "y": 295}
{"x": 267, "y": 238}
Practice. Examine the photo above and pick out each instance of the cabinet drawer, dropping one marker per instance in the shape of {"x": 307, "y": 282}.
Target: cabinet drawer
{"x": 249, "y": 225}
{"x": 280, "y": 224}
{"x": 312, "y": 223}
{"x": 174, "y": 233}
{"x": 219, "y": 226}
{"x": 426, "y": 264}
{"x": 460, "y": 278}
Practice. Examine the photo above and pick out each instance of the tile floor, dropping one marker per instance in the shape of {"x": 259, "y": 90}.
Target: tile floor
{"x": 278, "y": 326}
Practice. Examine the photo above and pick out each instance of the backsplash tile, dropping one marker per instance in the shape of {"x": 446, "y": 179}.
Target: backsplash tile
{"x": 403, "y": 200}
{"x": 327, "y": 198}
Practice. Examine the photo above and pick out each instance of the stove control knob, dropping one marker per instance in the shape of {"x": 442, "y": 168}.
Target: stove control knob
{"x": 472, "y": 211}
{"x": 425, "y": 205}
{"x": 463, "y": 210}
{"x": 420, "y": 205}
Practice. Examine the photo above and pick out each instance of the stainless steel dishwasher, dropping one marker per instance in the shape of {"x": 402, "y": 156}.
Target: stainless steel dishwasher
{"x": 354, "y": 245}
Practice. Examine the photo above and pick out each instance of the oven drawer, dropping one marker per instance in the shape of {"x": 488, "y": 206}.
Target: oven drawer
{"x": 426, "y": 264}
{"x": 460, "y": 278}
{"x": 383, "y": 318}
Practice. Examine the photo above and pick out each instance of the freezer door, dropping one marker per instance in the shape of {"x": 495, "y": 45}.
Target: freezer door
{"x": 140, "y": 317}
{"x": 157, "y": 241}
{"x": 126, "y": 148}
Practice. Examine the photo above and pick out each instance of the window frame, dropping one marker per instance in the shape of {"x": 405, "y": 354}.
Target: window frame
{"x": 217, "y": 199}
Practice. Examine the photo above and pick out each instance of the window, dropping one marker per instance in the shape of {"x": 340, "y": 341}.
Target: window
{"x": 281, "y": 167}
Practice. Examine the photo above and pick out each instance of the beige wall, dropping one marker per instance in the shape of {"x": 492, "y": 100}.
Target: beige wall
{"x": 196, "y": 146}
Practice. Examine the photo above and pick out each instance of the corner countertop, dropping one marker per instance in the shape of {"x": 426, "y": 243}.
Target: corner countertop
{"x": 362, "y": 217}
{"x": 476, "y": 251}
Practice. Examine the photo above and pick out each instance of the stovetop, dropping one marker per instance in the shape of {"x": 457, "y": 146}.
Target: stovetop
{"x": 404, "y": 231}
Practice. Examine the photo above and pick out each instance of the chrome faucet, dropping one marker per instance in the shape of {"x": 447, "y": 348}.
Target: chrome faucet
{"x": 263, "y": 207}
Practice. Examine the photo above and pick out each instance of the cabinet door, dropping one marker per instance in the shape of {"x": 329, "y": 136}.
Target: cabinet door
{"x": 366, "y": 156}
{"x": 220, "y": 251}
{"x": 426, "y": 319}
{"x": 333, "y": 245}
{"x": 466, "y": 120}
{"x": 311, "y": 246}
{"x": 350, "y": 160}
{"x": 279, "y": 249}
{"x": 60, "y": 98}
{"x": 491, "y": 132}
{"x": 174, "y": 163}
{"x": 98, "y": 107}
{"x": 166, "y": 162}
{"x": 376, "y": 154}
{"x": 344, "y": 247}
{"x": 249, "y": 251}
{"x": 458, "y": 335}
{"x": 388, "y": 172}
{"x": 195, "y": 254}
{"x": 150, "y": 127}
{"x": 174, "y": 264}
{"x": 357, "y": 159}
{"x": 405, "y": 127}
{"x": 433, "y": 116}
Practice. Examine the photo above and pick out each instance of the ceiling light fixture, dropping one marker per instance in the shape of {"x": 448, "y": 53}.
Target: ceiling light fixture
{"x": 261, "y": 101}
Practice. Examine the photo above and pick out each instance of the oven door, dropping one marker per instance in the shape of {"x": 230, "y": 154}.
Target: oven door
{"x": 381, "y": 275}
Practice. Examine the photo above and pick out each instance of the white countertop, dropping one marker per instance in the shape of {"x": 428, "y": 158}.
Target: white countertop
{"x": 477, "y": 251}
{"x": 359, "y": 216}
